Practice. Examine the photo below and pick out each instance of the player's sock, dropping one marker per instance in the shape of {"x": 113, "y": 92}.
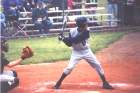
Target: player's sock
{"x": 58, "y": 84}
{"x": 102, "y": 78}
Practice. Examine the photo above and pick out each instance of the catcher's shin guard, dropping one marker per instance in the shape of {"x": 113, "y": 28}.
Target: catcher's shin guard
{"x": 58, "y": 84}
{"x": 7, "y": 86}
{"x": 15, "y": 84}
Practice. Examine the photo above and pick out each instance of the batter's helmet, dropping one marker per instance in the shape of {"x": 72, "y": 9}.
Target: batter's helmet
{"x": 81, "y": 21}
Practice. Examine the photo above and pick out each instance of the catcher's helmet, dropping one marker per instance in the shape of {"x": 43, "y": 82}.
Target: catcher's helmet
{"x": 81, "y": 21}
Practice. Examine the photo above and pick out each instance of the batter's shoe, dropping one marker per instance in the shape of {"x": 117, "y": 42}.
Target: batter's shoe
{"x": 57, "y": 86}
{"x": 106, "y": 85}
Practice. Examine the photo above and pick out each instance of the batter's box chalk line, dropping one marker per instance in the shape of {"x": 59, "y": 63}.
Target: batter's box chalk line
{"x": 125, "y": 85}
{"x": 42, "y": 86}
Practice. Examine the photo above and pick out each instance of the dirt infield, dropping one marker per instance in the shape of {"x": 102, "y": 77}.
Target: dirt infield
{"x": 121, "y": 62}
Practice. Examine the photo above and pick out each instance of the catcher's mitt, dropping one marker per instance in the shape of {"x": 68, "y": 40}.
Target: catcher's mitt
{"x": 26, "y": 52}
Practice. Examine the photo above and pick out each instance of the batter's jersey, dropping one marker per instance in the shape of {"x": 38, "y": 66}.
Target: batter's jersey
{"x": 80, "y": 46}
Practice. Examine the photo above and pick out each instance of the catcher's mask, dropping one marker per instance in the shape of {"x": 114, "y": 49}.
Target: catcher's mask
{"x": 81, "y": 21}
{"x": 4, "y": 44}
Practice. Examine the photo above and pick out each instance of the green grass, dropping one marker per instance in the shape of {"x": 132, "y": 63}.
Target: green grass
{"x": 49, "y": 49}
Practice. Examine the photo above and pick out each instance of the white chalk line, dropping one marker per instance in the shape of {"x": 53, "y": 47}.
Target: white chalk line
{"x": 43, "y": 86}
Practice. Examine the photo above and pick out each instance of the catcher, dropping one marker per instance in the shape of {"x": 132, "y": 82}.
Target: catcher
{"x": 9, "y": 79}
{"x": 78, "y": 40}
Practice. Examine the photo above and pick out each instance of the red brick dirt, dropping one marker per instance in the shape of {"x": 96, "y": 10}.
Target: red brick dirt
{"x": 121, "y": 62}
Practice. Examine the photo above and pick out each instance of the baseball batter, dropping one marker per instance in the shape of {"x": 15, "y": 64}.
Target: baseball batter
{"x": 78, "y": 40}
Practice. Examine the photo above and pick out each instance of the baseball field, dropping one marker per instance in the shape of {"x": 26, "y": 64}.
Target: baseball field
{"x": 120, "y": 61}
